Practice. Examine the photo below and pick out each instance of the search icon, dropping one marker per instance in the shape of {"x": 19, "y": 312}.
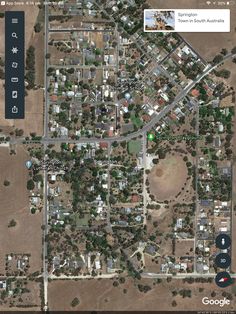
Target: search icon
{"x": 14, "y": 35}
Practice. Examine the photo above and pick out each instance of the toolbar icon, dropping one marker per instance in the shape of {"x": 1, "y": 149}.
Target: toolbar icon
{"x": 14, "y": 65}
{"x": 14, "y": 94}
{"x": 14, "y": 80}
{"x": 14, "y": 35}
{"x": 223, "y": 260}
{"x": 14, "y": 109}
{"x": 14, "y": 21}
{"x": 15, "y": 50}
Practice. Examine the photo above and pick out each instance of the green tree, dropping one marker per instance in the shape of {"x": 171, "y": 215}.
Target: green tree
{"x": 30, "y": 185}
{"x": 75, "y": 302}
{"x": 217, "y": 59}
{"x": 233, "y": 51}
{"x": 12, "y": 223}
{"x": 6, "y": 183}
{"x": 37, "y": 28}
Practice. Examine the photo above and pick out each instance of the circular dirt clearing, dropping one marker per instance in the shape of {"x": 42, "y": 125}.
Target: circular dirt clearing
{"x": 159, "y": 172}
{"x": 167, "y": 178}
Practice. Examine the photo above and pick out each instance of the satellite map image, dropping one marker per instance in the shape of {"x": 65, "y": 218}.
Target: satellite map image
{"x": 118, "y": 156}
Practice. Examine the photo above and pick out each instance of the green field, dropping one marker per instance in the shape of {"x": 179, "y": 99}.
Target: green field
{"x": 136, "y": 121}
{"x": 81, "y": 222}
{"x": 134, "y": 147}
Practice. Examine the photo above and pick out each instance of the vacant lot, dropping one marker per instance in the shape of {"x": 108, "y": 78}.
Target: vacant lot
{"x": 33, "y": 122}
{"x": 206, "y": 44}
{"x": 2, "y": 37}
{"x": 184, "y": 247}
{"x": 97, "y": 37}
{"x": 167, "y": 177}
{"x": 134, "y": 146}
{"x": 25, "y": 237}
{"x": 74, "y": 22}
{"x": 231, "y": 81}
{"x": 102, "y": 295}
{"x": 6, "y": 125}
{"x": 37, "y": 40}
{"x": 12, "y": 168}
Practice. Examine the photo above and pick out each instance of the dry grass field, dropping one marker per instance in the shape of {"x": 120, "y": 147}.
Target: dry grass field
{"x": 167, "y": 177}
{"x": 102, "y": 295}
{"x": 74, "y": 22}
{"x": 33, "y": 122}
{"x": 37, "y": 40}
{"x": 184, "y": 247}
{"x": 231, "y": 81}
{"x": 25, "y": 237}
{"x": 12, "y": 168}
{"x": 5, "y": 125}
{"x": 2, "y": 37}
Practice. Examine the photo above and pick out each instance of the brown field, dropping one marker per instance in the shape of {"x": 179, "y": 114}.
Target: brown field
{"x": 215, "y": 41}
{"x": 62, "y": 36}
{"x": 25, "y": 237}
{"x": 97, "y": 37}
{"x": 69, "y": 59}
{"x": 37, "y": 40}
{"x": 163, "y": 217}
{"x": 151, "y": 266}
{"x": 101, "y": 295}
{"x": 184, "y": 247}
{"x": 56, "y": 55}
{"x": 74, "y": 22}
{"x": 14, "y": 196}
{"x": 2, "y": 37}
{"x": 231, "y": 81}
{"x": 167, "y": 177}
{"x": 33, "y": 297}
{"x": 33, "y": 122}
{"x": 4, "y": 124}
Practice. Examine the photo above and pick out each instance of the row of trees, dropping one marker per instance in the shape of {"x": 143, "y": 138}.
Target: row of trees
{"x": 30, "y": 67}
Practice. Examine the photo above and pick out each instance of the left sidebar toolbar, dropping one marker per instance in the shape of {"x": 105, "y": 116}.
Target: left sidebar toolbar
{"x": 14, "y": 64}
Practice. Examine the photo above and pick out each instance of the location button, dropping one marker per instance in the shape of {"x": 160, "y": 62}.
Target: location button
{"x": 14, "y": 65}
{"x": 223, "y": 241}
